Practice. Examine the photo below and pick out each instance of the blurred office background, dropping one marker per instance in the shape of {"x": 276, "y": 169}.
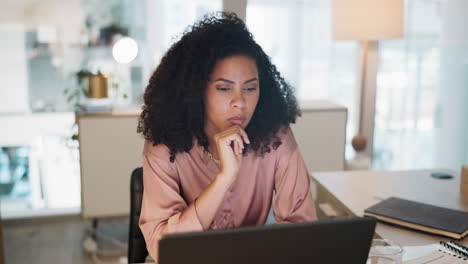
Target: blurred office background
{"x": 421, "y": 111}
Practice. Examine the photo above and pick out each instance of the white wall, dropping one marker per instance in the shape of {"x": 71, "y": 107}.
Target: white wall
{"x": 66, "y": 16}
{"x": 14, "y": 96}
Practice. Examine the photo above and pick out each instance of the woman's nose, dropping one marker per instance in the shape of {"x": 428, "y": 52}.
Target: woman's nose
{"x": 238, "y": 100}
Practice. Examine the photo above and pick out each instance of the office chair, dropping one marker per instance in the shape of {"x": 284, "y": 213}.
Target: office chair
{"x": 137, "y": 251}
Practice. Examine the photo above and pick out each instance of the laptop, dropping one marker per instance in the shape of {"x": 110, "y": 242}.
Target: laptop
{"x": 341, "y": 240}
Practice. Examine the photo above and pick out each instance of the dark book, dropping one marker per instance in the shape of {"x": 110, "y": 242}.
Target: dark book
{"x": 420, "y": 216}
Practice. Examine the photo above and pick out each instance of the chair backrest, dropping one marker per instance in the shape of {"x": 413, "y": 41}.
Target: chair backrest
{"x": 137, "y": 251}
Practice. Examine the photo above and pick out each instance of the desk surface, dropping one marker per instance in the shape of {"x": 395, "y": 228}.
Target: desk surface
{"x": 354, "y": 191}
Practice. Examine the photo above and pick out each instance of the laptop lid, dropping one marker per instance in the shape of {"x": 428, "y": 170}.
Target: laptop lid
{"x": 343, "y": 240}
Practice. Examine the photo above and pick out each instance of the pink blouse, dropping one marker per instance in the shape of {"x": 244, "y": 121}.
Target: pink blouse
{"x": 170, "y": 190}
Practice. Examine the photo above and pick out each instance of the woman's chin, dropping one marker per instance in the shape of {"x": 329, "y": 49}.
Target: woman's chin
{"x": 243, "y": 125}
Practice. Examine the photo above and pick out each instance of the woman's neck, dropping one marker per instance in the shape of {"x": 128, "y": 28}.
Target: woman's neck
{"x": 211, "y": 143}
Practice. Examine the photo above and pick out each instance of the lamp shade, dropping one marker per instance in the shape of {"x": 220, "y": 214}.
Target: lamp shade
{"x": 367, "y": 19}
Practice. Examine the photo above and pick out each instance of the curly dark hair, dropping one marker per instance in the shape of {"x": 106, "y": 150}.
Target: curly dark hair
{"x": 173, "y": 111}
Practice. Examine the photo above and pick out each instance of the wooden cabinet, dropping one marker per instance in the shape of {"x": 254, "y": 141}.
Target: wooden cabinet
{"x": 321, "y": 135}
{"x": 110, "y": 149}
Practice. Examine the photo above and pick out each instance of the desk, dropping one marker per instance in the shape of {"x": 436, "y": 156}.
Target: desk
{"x": 350, "y": 192}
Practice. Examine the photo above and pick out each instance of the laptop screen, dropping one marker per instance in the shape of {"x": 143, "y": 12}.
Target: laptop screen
{"x": 341, "y": 240}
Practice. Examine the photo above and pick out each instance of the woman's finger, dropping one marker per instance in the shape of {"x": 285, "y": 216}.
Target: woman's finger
{"x": 235, "y": 146}
{"x": 235, "y": 137}
{"x": 237, "y": 142}
{"x": 244, "y": 136}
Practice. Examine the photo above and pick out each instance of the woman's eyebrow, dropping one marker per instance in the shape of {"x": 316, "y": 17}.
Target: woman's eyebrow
{"x": 251, "y": 80}
{"x": 224, "y": 80}
{"x": 229, "y": 81}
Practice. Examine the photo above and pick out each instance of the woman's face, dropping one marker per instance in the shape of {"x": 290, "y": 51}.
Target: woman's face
{"x": 231, "y": 94}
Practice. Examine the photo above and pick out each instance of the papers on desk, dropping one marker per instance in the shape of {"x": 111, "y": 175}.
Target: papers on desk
{"x": 435, "y": 253}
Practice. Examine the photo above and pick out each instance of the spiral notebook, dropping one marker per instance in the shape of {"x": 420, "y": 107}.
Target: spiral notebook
{"x": 446, "y": 253}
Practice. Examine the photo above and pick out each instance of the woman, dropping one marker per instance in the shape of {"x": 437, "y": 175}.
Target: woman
{"x": 218, "y": 143}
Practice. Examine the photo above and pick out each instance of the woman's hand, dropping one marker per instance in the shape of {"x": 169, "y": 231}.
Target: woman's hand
{"x": 230, "y": 144}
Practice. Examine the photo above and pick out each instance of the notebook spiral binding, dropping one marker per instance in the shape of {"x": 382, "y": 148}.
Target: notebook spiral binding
{"x": 453, "y": 246}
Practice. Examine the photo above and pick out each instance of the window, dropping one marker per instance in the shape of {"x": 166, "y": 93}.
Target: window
{"x": 421, "y": 88}
{"x": 420, "y": 78}
{"x": 301, "y": 46}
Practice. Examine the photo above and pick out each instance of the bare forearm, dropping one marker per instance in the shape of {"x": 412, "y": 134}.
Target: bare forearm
{"x": 229, "y": 145}
{"x": 210, "y": 199}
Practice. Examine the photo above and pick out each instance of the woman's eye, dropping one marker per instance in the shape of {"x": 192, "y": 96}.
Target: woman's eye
{"x": 223, "y": 89}
{"x": 250, "y": 89}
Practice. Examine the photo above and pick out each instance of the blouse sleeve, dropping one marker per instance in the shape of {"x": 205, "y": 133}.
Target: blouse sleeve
{"x": 163, "y": 209}
{"x": 293, "y": 199}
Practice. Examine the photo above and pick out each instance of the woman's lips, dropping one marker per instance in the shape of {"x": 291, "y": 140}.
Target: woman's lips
{"x": 237, "y": 120}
